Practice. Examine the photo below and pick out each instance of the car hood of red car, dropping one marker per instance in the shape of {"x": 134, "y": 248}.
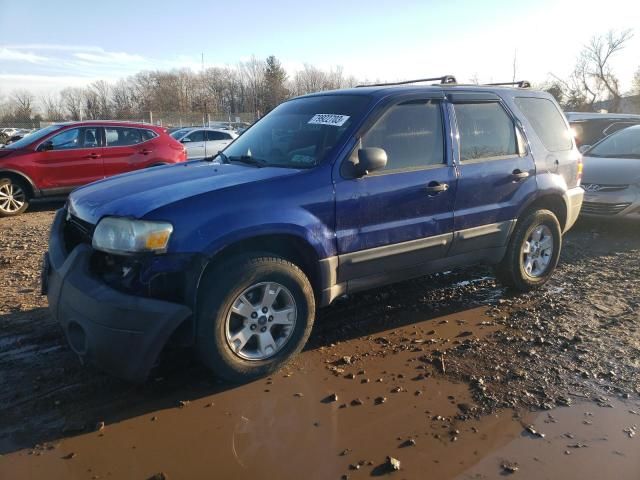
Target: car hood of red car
{"x": 138, "y": 193}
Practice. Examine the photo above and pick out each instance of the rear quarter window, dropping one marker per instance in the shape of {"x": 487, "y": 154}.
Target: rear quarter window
{"x": 547, "y": 121}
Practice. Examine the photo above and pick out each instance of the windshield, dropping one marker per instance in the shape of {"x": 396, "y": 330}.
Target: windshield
{"x": 299, "y": 133}
{"x": 622, "y": 144}
{"x": 33, "y": 137}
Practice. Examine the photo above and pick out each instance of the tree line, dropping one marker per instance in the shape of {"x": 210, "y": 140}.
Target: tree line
{"x": 255, "y": 87}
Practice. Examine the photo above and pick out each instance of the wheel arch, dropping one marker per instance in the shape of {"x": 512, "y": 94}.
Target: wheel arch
{"x": 289, "y": 246}
{"x": 552, "y": 201}
{"x": 33, "y": 190}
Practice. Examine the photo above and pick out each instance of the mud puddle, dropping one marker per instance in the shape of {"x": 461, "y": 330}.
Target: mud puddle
{"x": 582, "y": 441}
{"x": 338, "y": 410}
{"x": 341, "y": 410}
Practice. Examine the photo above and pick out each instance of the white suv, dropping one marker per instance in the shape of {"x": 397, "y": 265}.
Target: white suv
{"x": 203, "y": 142}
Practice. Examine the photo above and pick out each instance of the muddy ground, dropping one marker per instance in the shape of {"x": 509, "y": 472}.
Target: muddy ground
{"x": 449, "y": 374}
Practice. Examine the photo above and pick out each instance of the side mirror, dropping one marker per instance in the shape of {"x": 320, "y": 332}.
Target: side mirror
{"x": 46, "y": 146}
{"x": 584, "y": 148}
{"x": 371, "y": 159}
{"x": 185, "y": 140}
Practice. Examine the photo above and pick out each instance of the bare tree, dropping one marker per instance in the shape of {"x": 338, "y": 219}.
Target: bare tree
{"x": 593, "y": 79}
{"x": 72, "y": 99}
{"x": 597, "y": 56}
{"x": 53, "y": 107}
{"x": 100, "y": 93}
{"x": 22, "y": 105}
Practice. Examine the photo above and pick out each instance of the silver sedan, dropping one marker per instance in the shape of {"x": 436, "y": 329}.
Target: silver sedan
{"x": 611, "y": 177}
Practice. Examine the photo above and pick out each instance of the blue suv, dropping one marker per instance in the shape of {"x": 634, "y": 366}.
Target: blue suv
{"x": 330, "y": 193}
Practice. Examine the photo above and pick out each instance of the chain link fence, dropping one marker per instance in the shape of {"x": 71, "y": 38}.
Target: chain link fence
{"x": 159, "y": 118}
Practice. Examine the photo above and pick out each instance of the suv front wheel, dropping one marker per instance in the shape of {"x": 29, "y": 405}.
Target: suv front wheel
{"x": 255, "y": 314}
{"x": 14, "y": 197}
{"x": 533, "y": 252}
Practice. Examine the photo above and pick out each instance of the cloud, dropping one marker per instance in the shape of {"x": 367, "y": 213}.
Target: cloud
{"x": 14, "y": 55}
{"x": 110, "y": 57}
{"x": 53, "y": 46}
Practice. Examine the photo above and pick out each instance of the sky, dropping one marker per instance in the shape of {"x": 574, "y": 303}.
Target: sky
{"x": 48, "y": 45}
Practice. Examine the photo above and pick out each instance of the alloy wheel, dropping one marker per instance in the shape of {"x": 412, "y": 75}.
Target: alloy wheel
{"x": 12, "y": 197}
{"x": 261, "y": 321}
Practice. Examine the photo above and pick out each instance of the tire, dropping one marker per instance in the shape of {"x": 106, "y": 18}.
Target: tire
{"x": 220, "y": 324}
{"x": 14, "y": 197}
{"x": 514, "y": 271}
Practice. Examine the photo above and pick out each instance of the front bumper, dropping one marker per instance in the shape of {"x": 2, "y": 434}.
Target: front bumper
{"x": 623, "y": 204}
{"x": 573, "y": 199}
{"x": 119, "y": 333}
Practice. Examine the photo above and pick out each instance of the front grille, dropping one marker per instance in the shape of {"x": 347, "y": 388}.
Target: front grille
{"x": 599, "y": 187}
{"x": 595, "y": 208}
{"x": 77, "y": 231}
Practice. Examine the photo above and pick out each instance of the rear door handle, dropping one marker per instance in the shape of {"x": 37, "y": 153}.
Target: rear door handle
{"x": 145, "y": 151}
{"x": 434, "y": 188}
{"x": 92, "y": 156}
{"x": 518, "y": 174}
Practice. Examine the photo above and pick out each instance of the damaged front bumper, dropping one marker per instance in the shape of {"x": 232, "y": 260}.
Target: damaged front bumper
{"x": 117, "y": 331}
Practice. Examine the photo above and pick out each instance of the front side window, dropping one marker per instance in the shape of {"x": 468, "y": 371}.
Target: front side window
{"x": 547, "y": 121}
{"x": 67, "y": 139}
{"x": 299, "y": 133}
{"x": 411, "y": 134}
{"x": 622, "y": 144}
{"x": 195, "y": 136}
{"x": 486, "y": 131}
{"x": 85, "y": 137}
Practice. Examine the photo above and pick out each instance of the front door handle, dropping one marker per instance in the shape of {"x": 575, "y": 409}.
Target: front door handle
{"x": 434, "y": 188}
{"x": 518, "y": 174}
{"x": 92, "y": 156}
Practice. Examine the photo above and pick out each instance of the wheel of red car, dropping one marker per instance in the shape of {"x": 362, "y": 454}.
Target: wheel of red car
{"x": 255, "y": 314}
{"x": 14, "y": 197}
{"x": 533, "y": 251}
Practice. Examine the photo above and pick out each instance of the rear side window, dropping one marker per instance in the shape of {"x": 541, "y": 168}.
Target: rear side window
{"x": 411, "y": 134}
{"x": 486, "y": 131}
{"x": 547, "y": 121}
{"x": 217, "y": 136}
{"x": 122, "y": 136}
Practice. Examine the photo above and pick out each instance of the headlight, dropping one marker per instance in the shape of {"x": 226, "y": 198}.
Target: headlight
{"x": 123, "y": 235}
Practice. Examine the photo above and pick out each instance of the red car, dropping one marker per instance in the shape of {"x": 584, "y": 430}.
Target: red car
{"x": 58, "y": 158}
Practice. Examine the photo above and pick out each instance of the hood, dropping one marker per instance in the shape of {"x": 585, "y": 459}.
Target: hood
{"x": 138, "y": 193}
{"x": 611, "y": 171}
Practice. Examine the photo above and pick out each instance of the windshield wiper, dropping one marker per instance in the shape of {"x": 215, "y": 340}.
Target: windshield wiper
{"x": 249, "y": 160}
{"x": 222, "y": 156}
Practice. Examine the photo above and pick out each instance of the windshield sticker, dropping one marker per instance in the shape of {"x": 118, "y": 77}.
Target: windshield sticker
{"x": 328, "y": 119}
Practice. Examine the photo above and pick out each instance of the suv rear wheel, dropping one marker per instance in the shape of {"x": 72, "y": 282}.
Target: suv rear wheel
{"x": 14, "y": 197}
{"x": 533, "y": 252}
{"x": 255, "y": 314}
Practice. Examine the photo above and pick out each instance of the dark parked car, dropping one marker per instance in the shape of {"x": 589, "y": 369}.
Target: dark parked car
{"x": 369, "y": 186}
{"x": 58, "y": 158}
{"x": 590, "y": 128}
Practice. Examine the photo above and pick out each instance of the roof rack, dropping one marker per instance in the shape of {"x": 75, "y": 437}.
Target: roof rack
{"x": 519, "y": 84}
{"x": 443, "y": 79}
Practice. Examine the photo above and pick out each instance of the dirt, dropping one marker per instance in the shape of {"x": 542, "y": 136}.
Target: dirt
{"x": 451, "y": 375}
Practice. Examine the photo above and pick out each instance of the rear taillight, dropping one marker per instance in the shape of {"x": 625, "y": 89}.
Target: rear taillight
{"x": 579, "y": 175}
